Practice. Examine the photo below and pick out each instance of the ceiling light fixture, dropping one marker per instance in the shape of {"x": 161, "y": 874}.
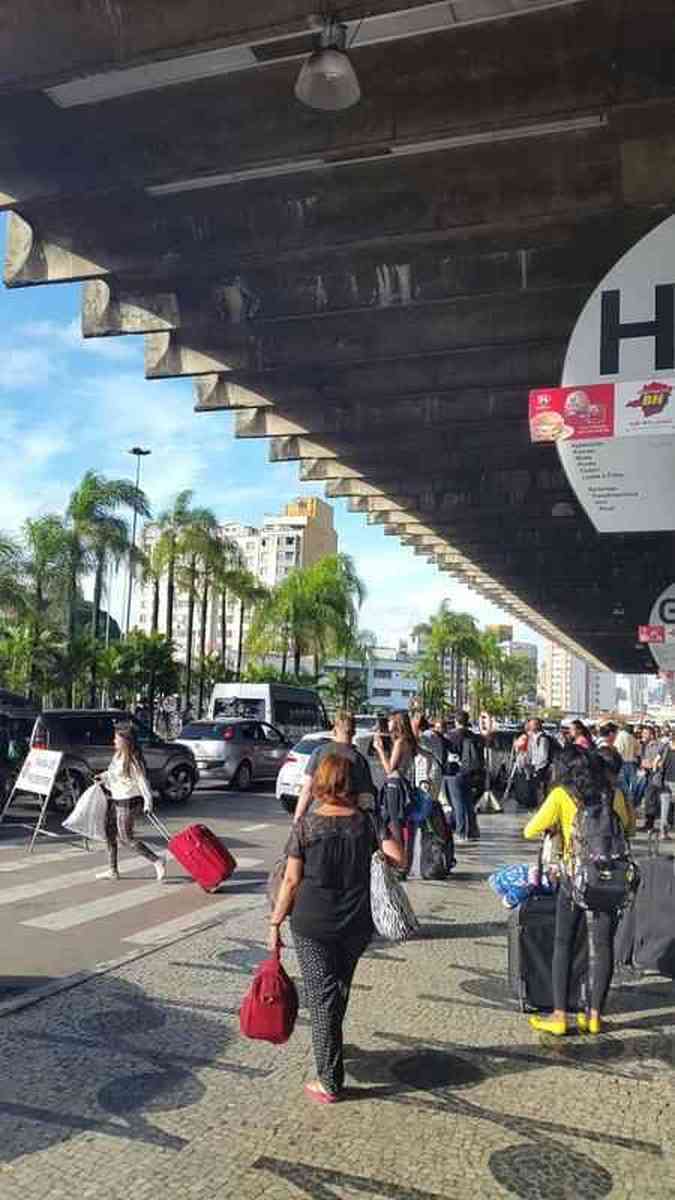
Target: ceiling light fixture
{"x": 327, "y": 79}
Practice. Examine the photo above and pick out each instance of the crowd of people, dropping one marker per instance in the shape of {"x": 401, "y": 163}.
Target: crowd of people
{"x": 642, "y": 758}
{"x": 343, "y": 815}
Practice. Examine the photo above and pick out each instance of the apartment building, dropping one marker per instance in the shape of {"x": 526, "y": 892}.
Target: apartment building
{"x": 298, "y": 537}
{"x": 568, "y": 683}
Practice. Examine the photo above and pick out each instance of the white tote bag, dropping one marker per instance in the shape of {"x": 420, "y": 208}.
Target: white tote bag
{"x": 393, "y": 916}
{"x": 88, "y": 817}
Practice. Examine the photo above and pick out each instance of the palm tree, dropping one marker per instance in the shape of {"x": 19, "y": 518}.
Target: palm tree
{"x": 152, "y": 568}
{"x": 104, "y": 535}
{"x": 249, "y": 593}
{"x": 228, "y": 561}
{"x": 193, "y": 547}
{"x": 45, "y": 567}
{"x": 12, "y": 594}
{"x": 171, "y": 523}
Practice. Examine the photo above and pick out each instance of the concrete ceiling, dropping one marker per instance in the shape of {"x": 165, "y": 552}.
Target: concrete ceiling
{"x": 374, "y": 291}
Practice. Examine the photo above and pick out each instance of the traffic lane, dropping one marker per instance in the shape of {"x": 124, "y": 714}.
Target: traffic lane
{"x": 60, "y": 920}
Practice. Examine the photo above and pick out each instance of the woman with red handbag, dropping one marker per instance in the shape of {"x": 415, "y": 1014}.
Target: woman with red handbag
{"x": 326, "y": 889}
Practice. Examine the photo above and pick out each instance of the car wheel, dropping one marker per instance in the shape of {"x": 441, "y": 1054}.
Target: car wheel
{"x": 68, "y": 787}
{"x": 179, "y": 784}
{"x": 242, "y": 780}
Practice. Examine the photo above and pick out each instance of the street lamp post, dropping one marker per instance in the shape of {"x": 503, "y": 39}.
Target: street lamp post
{"x": 138, "y": 453}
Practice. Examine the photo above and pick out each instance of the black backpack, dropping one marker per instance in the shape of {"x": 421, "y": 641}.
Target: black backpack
{"x": 471, "y": 757}
{"x": 437, "y": 852}
{"x": 601, "y": 872}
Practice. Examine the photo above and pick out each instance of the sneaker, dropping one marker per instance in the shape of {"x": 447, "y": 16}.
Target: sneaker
{"x": 111, "y": 873}
{"x": 588, "y": 1024}
{"x": 160, "y": 869}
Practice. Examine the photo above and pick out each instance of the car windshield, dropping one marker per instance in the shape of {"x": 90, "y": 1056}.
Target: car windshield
{"x": 309, "y": 745}
{"x": 207, "y": 731}
{"x": 365, "y": 723}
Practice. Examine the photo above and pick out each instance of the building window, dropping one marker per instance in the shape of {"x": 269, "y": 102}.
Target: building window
{"x": 382, "y": 692}
{"x": 380, "y": 674}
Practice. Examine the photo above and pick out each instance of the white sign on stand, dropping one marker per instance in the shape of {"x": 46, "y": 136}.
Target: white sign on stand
{"x": 37, "y": 775}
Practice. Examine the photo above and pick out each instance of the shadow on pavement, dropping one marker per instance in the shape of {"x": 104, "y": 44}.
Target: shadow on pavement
{"x": 112, "y": 1064}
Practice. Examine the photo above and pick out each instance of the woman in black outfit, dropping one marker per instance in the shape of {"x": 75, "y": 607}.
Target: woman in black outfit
{"x": 326, "y": 888}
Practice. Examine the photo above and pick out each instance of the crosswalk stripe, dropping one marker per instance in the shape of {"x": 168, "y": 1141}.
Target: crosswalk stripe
{"x": 81, "y": 914}
{"x": 36, "y": 860}
{"x": 157, "y": 933}
{"x": 59, "y": 883}
{"x": 252, "y": 828}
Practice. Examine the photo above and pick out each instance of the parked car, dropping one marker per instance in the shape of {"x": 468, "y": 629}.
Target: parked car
{"x": 289, "y": 779}
{"x": 293, "y": 710}
{"x": 235, "y": 751}
{"x": 85, "y": 736}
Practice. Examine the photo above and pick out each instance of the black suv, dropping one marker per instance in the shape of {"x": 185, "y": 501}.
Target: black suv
{"x": 85, "y": 736}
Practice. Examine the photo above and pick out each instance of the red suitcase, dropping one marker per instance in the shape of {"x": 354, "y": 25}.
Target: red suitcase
{"x": 203, "y": 855}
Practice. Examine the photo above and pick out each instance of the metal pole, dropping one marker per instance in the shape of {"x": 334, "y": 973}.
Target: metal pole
{"x": 139, "y": 453}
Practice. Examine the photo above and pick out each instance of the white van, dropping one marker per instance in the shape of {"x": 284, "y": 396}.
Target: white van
{"x": 293, "y": 710}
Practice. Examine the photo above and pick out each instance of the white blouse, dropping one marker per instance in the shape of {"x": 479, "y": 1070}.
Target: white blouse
{"x": 123, "y": 784}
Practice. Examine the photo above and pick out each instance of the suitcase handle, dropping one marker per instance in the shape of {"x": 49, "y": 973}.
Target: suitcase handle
{"x": 159, "y": 826}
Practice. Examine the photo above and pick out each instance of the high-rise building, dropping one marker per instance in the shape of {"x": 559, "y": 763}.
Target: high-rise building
{"x": 562, "y": 680}
{"x": 568, "y": 683}
{"x": 301, "y": 535}
{"x": 524, "y": 649}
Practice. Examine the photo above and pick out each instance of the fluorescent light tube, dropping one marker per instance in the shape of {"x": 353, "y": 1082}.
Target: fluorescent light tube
{"x": 112, "y": 85}
{"x": 485, "y": 137}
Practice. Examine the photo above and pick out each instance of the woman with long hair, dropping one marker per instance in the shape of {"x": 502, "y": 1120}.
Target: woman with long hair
{"x": 398, "y": 767}
{"x": 326, "y": 890}
{"x": 581, "y": 735}
{"x": 584, "y": 780}
{"x": 127, "y": 782}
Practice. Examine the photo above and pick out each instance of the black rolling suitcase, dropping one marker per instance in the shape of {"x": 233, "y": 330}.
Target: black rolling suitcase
{"x": 645, "y": 938}
{"x": 531, "y": 930}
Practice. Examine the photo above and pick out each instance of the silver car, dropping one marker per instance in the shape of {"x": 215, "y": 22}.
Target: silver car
{"x": 235, "y": 751}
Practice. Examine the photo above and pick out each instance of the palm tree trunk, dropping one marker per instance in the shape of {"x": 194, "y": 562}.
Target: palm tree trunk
{"x": 223, "y": 629}
{"x": 284, "y": 655}
{"x": 155, "y": 604}
{"x": 240, "y": 645}
{"x": 202, "y": 640}
{"x": 71, "y": 598}
{"x": 297, "y": 655}
{"x": 190, "y": 629}
{"x": 95, "y": 611}
{"x": 170, "y": 592}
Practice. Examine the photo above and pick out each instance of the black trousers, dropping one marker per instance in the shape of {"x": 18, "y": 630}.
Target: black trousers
{"x": 601, "y": 927}
{"x": 327, "y": 970}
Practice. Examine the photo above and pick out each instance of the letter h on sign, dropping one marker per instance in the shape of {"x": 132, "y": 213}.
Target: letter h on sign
{"x": 662, "y": 329}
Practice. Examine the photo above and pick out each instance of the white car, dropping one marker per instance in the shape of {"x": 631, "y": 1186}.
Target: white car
{"x": 292, "y": 772}
{"x": 289, "y": 779}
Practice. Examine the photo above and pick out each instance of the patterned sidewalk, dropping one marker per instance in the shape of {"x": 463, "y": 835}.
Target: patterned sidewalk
{"x": 137, "y": 1083}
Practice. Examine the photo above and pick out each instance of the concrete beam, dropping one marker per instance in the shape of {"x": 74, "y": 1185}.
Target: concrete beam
{"x": 109, "y": 309}
{"x": 29, "y": 260}
{"x": 291, "y": 449}
{"x": 167, "y": 357}
{"x": 321, "y": 470}
{"x": 213, "y": 393}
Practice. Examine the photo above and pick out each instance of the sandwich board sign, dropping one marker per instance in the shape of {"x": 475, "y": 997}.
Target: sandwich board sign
{"x": 37, "y": 775}
{"x": 613, "y": 418}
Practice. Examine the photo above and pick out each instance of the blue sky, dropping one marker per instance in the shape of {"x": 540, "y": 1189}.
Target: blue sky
{"x": 69, "y": 405}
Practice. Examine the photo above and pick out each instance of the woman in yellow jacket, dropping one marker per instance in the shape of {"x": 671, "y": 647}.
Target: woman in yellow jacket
{"x": 584, "y": 776}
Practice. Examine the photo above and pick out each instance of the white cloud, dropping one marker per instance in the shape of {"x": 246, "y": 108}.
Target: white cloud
{"x": 23, "y": 368}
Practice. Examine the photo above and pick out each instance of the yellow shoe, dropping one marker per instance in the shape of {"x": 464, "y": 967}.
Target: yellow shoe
{"x": 549, "y": 1025}
{"x": 588, "y": 1024}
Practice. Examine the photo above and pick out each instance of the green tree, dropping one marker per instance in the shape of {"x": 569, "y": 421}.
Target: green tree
{"x": 171, "y": 524}
{"x": 94, "y": 513}
{"x": 44, "y": 566}
{"x": 228, "y": 562}
{"x": 193, "y": 549}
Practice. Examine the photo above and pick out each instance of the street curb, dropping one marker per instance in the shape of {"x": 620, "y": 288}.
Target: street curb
{"x": 37, "y": 995}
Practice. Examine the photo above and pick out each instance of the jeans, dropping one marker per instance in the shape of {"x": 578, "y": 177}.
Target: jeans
{"x": 627, "y": 779}
{"x": 461, "y": 798}
{"x": 600, "y": 951}
{"x": 327, "y": 970}
{"x": 665, "y": 800}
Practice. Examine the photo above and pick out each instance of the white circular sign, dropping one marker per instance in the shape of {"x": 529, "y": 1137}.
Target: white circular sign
{"x": 663, "y": 613}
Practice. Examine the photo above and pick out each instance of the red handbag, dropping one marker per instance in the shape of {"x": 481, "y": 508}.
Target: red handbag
{"x": 270, "y": 1006}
